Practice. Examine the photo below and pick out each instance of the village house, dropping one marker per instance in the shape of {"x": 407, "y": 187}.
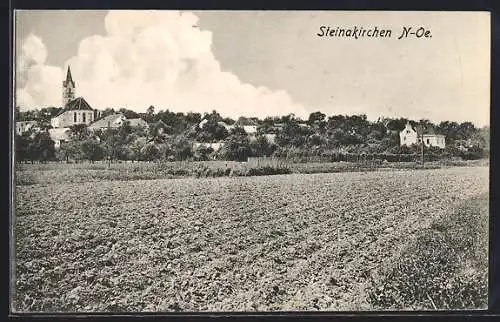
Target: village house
{"x": 59, "y": 135}
{"x": 250, "y": 129}
{"x": 24, "y": 126}
{"x": 138, "y": 123}
{"x": 271, "y": 137}
{"x": 409, "y": 136}
{"x": 214, "y": 145}
{"x": 112, "y": 121}
{"x": 160, "y": 127}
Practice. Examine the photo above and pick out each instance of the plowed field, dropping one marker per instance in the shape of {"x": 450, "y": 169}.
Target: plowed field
{"x": 285, "y": 242}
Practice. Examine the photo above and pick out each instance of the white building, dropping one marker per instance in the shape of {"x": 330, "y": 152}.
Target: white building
{"x": 78, "y": 111}
{"x": 23, "y": 126}
{"x": 59, "y": 135}
{"x": 250, "y": 129}
{"x": 215, "y": 145}
{"x": 409, "y": 136}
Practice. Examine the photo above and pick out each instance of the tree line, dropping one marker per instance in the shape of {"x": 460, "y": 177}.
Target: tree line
{"x": 177, "y": 136}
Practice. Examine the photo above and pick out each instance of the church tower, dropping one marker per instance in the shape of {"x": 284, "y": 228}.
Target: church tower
{"x": 68, "y": 88}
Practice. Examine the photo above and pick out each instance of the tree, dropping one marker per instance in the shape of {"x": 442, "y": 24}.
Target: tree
{"x": 18, "y": 115}
{"x": 129, "y": 114}
{"x": 47, "y": 113}
{"x": 182, "y": 148}
{"x": 22, "y": 144}
{"x": 43, "y": 147}
{"x": 290, "y": 135}
{"x": 315, "y": 140}
{"x": 212, "y": 131}
{"x": 92, "y": 149}
{"x": 450, "y": 130}
{"x": 157, "y": 132}
{"x": 79, "y": 132}
{"x": 267, "y": 126}
{"x": 116, "y": 140}
{"x": 108, "y": 111}
{"x": 193, "y": 118}
{"x": 238, "y": 130}
{"x": 466, "y": 130}
{"x": 202, "y": 153}
{"x": 316, "y": 118}
{"x": 70, "y": 150}
{"x": 262, "y": 147}
{"x": 151, "y": 110}
{"x": 150, "y": 152}
{"x": 112, "y": 143}
{"x": 136, "y": 147}
{"x": 237, "y": 147}
{"x": 396, "y": 124}
{"x": 214, "y": 116}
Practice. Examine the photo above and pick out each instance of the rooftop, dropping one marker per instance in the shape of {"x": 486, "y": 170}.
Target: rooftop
{"x": 107, "y": 121}
{"x": 78, "y": 104}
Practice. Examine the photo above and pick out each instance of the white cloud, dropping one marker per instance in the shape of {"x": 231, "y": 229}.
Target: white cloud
{"x": 158, "y": 58}
{"x": 37, "y": 84}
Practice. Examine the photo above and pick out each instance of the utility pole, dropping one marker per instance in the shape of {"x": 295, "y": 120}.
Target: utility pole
{"x": 422, "y": 142}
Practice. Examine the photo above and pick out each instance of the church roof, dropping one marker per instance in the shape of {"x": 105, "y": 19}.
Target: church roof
{"x": 78, "y": 104}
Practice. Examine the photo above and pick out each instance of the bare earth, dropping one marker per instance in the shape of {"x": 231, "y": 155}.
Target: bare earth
{"x": 288, "y": 242}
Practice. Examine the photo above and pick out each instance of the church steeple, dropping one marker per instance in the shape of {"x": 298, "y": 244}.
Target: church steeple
{"x": 68, "y": 88}
{"x": 69, "y": 79}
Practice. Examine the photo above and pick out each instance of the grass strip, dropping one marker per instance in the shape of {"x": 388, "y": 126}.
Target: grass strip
{"x": 445, "y": 267}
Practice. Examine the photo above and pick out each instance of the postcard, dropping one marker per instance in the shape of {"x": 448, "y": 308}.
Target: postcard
{"x": 250, "y": 161}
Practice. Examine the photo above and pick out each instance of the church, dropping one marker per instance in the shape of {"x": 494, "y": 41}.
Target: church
{"x": 75, "y": 110}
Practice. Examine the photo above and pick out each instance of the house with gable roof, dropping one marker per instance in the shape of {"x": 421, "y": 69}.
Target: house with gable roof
{"x": 113, "y": 121}
{"x": 409, "y": 136}
{"x": 24, "y": 126}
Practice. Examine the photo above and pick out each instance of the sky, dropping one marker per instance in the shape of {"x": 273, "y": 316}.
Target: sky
{"x": 258, "y": 63}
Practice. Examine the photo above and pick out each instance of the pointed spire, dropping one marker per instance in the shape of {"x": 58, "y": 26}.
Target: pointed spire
{"x": 69, "y": 79}
{"x": 68, "y": 75}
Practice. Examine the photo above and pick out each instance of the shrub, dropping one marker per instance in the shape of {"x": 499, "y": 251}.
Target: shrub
{"x": 267, "y": 170}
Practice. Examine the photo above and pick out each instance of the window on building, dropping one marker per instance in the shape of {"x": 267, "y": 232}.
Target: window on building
{"x": 74, "y": 117}
{"x": 428, "y": 141}
{"x": 407, "y": 131}
{"x": 404, "y": 138}
{"x": 84, "y": 119}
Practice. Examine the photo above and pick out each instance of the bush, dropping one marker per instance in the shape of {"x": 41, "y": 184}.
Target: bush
{"x": 267, "y": 170}
{"x": 472, "y": 155}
